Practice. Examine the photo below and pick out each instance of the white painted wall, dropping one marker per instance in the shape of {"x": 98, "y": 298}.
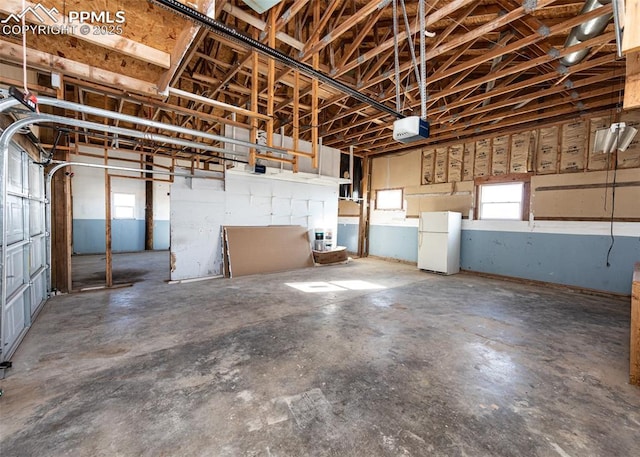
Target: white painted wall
{"x": 88, "y": 187}
{"x": 201, "y": 207}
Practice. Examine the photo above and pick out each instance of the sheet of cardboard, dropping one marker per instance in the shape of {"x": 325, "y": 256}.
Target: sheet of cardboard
{"x": 253, "y": 250}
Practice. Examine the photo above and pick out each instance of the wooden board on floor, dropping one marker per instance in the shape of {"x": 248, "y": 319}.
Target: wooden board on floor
{"x": 270, "y": 249}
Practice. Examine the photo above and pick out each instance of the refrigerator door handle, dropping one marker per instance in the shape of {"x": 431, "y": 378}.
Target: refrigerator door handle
{"x": 419, "y": 239}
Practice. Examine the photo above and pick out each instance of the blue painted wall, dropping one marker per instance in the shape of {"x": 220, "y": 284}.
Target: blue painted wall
{"x": 575, "y": 260}
{"x": 348, "y": 236}
{"x": 127, "y": 235}
{"x": 394, "y": 242}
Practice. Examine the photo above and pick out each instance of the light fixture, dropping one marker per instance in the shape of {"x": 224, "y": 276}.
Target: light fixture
{"x": 617, "y": 137}
{"x": 260, "y": 6}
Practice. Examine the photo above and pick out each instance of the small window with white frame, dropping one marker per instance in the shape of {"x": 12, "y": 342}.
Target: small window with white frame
{"x": 389, "y": 199}
{"x": 502, "y": 201}
{"x": 124, "y": 206}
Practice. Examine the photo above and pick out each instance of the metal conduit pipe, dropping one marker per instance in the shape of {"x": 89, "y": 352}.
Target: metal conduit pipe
{"x": 585, "y": 31}
{"x": 48, "y": 101}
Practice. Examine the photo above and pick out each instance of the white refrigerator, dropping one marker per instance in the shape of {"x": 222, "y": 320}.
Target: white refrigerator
{"x": 439, "y": 242}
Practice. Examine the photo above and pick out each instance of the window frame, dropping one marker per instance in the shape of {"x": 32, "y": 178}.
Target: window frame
{"x": 401, "y": 208}
{"x": 524, "y": 178}
{"x": 116, "y": 206}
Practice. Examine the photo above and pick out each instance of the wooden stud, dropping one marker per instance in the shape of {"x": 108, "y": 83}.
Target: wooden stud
{"x": 271, "y": 79}
{"x": 363, "y": 227}
{"x": 296, "y": 116}
{"x": 148, "y": 207}
{"x": 255, "y": 80}
{"x": 107, "y": 233}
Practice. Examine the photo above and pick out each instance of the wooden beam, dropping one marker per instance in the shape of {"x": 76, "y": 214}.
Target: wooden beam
{"x": 148, "y": 206}
{"x": 632, "y": 83}
{"x": 47, "y": 62}
{"x": 113, "y": 42}
{"x": 437, "y": 15}
{"x": 290, "y": 13}
{"x": 107, "y": 226}
{"x": 271, "y": 79}
{"x": 314, "y": 117}
{"x": 209, "y": 101}
{"x": 255, "y": 79}
{"x": 261, "y": 25}
{"x": 631, "y": 37}
{"x": 296, "y": 116}
{"x": 182, "y": 53}
{"x": 363, "y": 227}
{"x": 316, "y": 45}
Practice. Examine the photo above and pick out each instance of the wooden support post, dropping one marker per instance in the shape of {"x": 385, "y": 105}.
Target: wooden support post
{"x": 61, "y": 228}
{"x": 271, "y": 79}
{"x": 148, "y": 205}
{"x": 363, "y": 227}
{"x": 314, "y": 115}
{"x": 296, "y": 117}
{"x": 634, "y": 355}
{"x": 255, "y": 87}
{"x": 61, "y": 216}
{"x": 107, "y": 229}
{"x": 315, "y": 61}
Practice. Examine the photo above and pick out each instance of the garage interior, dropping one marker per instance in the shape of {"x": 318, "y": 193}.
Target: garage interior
{"x": 182, "y": 183}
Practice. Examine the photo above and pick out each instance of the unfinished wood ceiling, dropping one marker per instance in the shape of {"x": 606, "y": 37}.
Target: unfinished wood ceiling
{"x": 492, "y": 66}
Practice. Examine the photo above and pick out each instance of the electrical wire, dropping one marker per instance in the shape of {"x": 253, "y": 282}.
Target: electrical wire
{"x": 613, "y": 183}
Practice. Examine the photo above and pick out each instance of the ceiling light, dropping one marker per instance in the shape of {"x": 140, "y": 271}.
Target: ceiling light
{"x": 260, "y": 6}
{"x": 617, "y": 137}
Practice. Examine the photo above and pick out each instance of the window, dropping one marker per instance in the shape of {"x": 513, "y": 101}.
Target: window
{"x": 124, "y": 206}
{"x": 501, "y": 201}
{"x": 389, "y": 199}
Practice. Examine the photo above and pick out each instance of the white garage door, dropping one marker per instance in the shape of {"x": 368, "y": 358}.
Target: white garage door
{"x": 25, "y": 256}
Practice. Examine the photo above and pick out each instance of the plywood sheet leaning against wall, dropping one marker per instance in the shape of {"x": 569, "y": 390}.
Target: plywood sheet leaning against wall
{"x": 631, "y": 157}
{"x": 270, "y": 249}
{"x": 574, "y": 136}
{"x": 547, "y": 157}
{"x": 483, "y": 152}
{"x": 500, "y": 156}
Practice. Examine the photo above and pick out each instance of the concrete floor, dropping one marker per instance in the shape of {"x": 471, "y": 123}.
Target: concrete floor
{"x": 429, "y": 366}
